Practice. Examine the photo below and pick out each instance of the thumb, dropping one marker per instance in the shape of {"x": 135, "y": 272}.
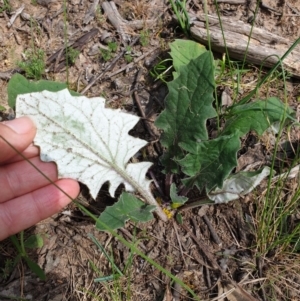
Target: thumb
{"x": 19, "y": 133}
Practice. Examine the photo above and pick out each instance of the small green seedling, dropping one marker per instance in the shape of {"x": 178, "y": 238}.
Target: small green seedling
{"x": 113, "y": 46}
{"x": 128, "y": 55}
{"x": 99, "y": 16}
{"x": 144, "y": 37}
{"x": 7, "y": 269}
{"x": 179, "y": 8}
{"x": 5, "y": 7}
{"x": 34, "y": 64}
{"x": 117, "y": 273}
{"x": 72, "y": 55}
{"x": 107, "y": 54}
{"x": 161, "y": 70}
{"x": 32, "y": 242}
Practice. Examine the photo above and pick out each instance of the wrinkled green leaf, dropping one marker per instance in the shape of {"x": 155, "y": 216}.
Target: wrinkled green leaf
{"x": 238, "y": 184}
{"x": 256, "y": 116}
{"x": 176, "y": 199}
{"x": 18, "y": 84}
{"x": 34, "y": 241}
{"x": 210, "y": 162}
{"x": 188, "y": 106}
{"x": 183, "y": 51}
{"x": 127, "y": 207}
{"x": 35, "y": 268}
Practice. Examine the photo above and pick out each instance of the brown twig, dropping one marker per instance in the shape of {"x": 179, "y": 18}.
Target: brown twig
{"x": 60, "y": 56}
{"x": 11, "y": 26}
{"x": 130, "y": 65}
{"x": 156, "y": 184}
{"x": 207, "y": 276}
{"x": 232, "y": 1}
{"x": 130, "y": 236}
{"x": 201, "y": 244}
{"x": 109, "y": 67}
{"x": 138, "y": 103}
{"x": 230, "y": 230}
{"x": 179, "y": 243}
{"x": 259, "y": 265}
{"x": 213, "y": 233}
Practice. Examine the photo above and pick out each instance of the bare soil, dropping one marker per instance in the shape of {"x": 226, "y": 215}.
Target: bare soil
{"x": 214, "y": 250}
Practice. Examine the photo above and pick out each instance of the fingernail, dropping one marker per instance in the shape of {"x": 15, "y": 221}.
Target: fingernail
{"x": 20, "y": 125}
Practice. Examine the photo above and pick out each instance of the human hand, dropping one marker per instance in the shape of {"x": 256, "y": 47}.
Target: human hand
{"x": 26, "y": 196}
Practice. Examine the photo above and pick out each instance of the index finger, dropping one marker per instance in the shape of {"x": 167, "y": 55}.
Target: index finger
{"x": 18, "y": 133}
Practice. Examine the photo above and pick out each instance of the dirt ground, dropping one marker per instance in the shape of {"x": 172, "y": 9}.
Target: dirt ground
{"x": 215, "y": 246}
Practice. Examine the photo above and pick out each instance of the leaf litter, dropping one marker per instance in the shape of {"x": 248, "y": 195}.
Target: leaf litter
{"x": 74, "y": 241}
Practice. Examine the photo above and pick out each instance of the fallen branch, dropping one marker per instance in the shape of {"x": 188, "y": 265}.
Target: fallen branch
{"x": 260, "y": 48}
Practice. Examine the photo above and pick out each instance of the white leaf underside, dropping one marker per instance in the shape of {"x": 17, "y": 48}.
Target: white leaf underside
{"x": 238, "y": 184}
{"x": 88, "y": 142}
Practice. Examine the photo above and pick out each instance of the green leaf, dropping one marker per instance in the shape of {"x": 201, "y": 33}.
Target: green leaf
{"x": 188, "y": 106}
{"x": 35, "y": 268}
{"x": 183, "y": 51}
{"x": 127, "y": 207}
{"x": 179, "y": 218}
{"x": 256, "y": 116}
{"x": 2, "y": 108}
{"x": 34, "y": 241}
{"x": 18, "y": 84}
{"x": 177, "y": 200}
{"x": 17, "y": 244}
{"x": 210, "y": 162}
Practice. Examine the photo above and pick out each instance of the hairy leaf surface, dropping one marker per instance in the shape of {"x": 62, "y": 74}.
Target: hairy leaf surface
{"x": 89, "y": 142}
{"x": 183, "y": 51}
{"x": 256, "y": 116}
{"x": 210, "y": 162}
{"x": 188, "y": 106}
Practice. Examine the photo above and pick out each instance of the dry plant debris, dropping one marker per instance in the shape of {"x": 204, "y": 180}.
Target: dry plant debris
{"x": 216, "y": 245}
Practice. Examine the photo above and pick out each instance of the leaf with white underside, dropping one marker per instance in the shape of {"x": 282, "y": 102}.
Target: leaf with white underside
{"x": 88, "y": 142}
{"x": 238, "y": 184}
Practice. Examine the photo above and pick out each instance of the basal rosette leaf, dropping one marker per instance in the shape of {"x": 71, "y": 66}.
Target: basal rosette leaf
{"x": 238, "y": 184}
{"x": 210, "y": 162}
{"x": 88, "y": 142}
{"x": 176, "y": 200}
{"x": 18, "y": 84}
{"x": 183, "y": 51}
{"x": 127, "y": 207}
{"x": 257, "y": 116}
{"x": 188, "y": 106}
